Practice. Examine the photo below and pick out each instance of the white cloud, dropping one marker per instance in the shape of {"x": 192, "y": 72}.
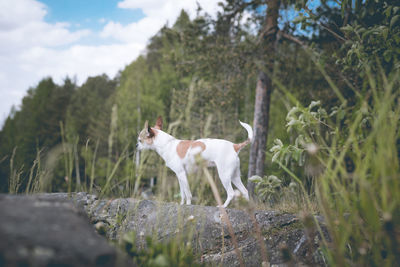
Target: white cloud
{"x": 139, "y": 31}
{"x": 157, "y": 14}
{"x": 17, "y": 13}
{"x": 31, "y": 48}
{"x": 79, "y": 60}
{"x": 169, "y": 9}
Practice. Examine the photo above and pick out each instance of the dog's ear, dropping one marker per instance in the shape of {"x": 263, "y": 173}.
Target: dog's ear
{"x": 159, "y": 123}
{"x": 150, "y": 131}
{"x": 146, "y": 126}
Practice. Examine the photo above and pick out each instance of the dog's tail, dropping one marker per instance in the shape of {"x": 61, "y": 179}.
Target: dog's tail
{"x": 249, "y": 130}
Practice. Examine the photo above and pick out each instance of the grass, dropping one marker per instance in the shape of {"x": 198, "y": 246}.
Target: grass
{"x": 357, "y": 187}
{"x": 362, "y": 206}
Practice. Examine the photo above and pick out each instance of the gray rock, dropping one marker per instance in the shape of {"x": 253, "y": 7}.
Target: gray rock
{"x": 49, "y": 230}
{"x": 288, "y": 242}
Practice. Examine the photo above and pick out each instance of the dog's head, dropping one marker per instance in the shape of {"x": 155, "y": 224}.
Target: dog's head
{"x": 148, "y": 134}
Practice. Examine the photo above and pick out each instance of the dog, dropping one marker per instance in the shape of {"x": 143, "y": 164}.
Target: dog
{"x": 179, "y": 156}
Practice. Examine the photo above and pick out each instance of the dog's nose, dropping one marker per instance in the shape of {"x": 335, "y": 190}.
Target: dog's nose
{"x": 137, "y": 145}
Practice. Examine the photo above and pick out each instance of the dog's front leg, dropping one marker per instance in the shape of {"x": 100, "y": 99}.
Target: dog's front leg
{"x": 184, "y": 186}
{"x": 182, "y": 191}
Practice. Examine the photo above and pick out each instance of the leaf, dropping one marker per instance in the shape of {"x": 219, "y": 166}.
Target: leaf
{"x": 388, "y": 11}
{"x": 299, "y": 140}
{"x": 296, "y": 155}
{"x": 302, "y": 159}
{"x": 275, "y": 148}
{"x": 397, "y": 38}
{"x": 291, "y": 123}
{"x": 287, "y": 158}
{"x": 314, "y": 103}
{"x": 274, "y": 178}
{"x": 385, "y": 33}
{"x": 366, "y": 34}
{"x": 291, "y": 112}
{"x": 347, "y": 29}
{"x": 275, "y": 156}
{"x": 387, "y": 55}
{"x": 278, "y": 142}
{"x": 255, "y": 179}
{"x": 394, "y": 20}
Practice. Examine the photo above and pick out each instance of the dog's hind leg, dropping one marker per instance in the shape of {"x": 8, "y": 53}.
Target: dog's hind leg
{"x": 225, "y": 174}
{"x": 238, "y": 183}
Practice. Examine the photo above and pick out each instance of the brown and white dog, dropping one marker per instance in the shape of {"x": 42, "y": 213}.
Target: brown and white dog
{"x": 179, "y": 156}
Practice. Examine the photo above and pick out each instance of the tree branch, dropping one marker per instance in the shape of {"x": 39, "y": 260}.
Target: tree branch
{"x": 293, "y": 39}
{"x": 326, "y": 27}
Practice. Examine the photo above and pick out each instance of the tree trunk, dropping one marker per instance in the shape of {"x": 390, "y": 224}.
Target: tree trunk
{"x": 263, "y": 95}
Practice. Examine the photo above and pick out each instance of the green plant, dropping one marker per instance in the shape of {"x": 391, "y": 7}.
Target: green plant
{"x": 353, "y": 155}
{"x": 158, "y": 254}
{"x": 268, "y": 188}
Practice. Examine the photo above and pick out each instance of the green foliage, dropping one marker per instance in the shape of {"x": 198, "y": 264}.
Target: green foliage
{"x": 311, "y": 127}
{"x": 88, "y": 115}
{"x": 375, "y": 33}
{"x": 356, "y": 170}
{"x": 366, "y": 30}
{"x": 157, "y": 254}
{"x": 268, "y": 188}
{"x": 34, "y": 127}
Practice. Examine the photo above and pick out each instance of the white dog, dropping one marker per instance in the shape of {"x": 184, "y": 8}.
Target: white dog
{"x": 179, "y": 156}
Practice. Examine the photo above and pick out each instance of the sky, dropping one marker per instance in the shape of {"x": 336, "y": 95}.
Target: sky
{"x": 76, "y": 38}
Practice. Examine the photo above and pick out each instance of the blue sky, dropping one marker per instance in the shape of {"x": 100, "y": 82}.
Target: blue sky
{"x": 90, "y": 13}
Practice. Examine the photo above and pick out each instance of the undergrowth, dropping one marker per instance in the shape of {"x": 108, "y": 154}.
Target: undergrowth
{"x": 157, "y": 254}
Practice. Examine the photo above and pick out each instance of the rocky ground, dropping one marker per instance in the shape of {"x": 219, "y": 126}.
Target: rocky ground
{"x": 53, "y": 229}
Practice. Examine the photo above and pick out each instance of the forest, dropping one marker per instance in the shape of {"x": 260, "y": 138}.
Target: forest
{"x": 320, "y": 82}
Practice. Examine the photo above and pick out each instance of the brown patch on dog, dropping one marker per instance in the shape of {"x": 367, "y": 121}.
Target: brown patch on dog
{"x": 238, "y": 147}
{"x": 199, "y": 144}
{"x": 151, "y": 132}
{"x": 184, "y": 146}
{"x": 159, "y": 123}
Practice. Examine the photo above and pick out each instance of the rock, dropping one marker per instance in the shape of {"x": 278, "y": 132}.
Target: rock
{"x": 286, "y": 239}
{"x": 49, "y": 230}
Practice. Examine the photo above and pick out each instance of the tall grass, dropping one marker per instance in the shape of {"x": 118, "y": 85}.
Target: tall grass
{"x": 352, "y": 154}
{"x": 362, "y": 205}
{"x": 15, "y": 175}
